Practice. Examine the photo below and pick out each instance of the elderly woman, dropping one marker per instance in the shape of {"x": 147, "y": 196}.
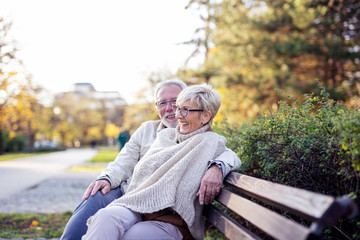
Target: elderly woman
{"x": 161, "y": 199}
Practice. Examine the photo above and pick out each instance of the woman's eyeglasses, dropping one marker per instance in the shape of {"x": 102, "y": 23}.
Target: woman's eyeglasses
{"x": 184, "y": 111}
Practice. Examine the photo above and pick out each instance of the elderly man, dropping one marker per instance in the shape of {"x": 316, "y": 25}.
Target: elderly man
{"x": 113, "y": 181}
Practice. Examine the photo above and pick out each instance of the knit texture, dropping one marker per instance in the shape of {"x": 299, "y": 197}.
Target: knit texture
{"x": 170, "y": 173}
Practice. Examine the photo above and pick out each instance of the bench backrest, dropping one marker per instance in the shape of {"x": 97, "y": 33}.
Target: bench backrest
{"x": 322, "y": 210}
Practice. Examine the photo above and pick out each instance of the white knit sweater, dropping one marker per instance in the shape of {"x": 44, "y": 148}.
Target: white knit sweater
{"x": 170, "y": 173}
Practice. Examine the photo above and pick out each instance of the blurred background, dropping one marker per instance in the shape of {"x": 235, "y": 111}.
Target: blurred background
{"x": 78, "y": 73}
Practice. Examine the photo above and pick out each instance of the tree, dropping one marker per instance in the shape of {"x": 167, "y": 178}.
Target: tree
{"x": 261, "y": 45}
{"x": 83, "y": 122}
{"x": 202, "y": 40}
{"x": 136, "y": 114}
{"x": 112, "y": 132}
{"x": 10, "y": 87}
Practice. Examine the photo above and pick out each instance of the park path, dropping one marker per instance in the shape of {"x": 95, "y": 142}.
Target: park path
{"x": 44, "y": 183}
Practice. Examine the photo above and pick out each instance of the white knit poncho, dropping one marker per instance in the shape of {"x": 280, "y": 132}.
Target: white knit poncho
{"x": 170, "y": 173}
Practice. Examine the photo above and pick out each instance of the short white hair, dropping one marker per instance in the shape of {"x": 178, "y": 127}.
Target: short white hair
{"x": 206, "y": 98}
{"x": 160, "y": 85}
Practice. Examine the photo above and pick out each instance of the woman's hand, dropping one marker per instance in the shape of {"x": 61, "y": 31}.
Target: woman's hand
{"x": 95, "y": 186}
{"x": 210, "y": 185}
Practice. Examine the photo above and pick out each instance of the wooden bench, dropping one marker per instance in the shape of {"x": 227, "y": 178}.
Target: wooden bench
{"x": 259, "y": 202}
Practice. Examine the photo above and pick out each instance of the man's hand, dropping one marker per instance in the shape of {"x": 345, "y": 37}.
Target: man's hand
{"x": 95, "y": 186}
{"x": 210, "y": 185}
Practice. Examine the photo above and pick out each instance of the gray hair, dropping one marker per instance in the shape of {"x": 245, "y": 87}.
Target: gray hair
{"x": 160, "y": 85}
{"x": 204, "y": 96}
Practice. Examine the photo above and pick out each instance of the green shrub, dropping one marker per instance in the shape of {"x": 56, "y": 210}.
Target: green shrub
{"x": 313, "y": 144}
{"x": 5, "y": 138}
{"x": 15, "y": 144}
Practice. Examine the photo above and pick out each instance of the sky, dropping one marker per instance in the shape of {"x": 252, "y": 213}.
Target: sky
{"x": 113, "y": 44}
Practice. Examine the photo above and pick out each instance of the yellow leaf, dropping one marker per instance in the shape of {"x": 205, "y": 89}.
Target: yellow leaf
{"x": 111, "y": 130}
{"x": 12, "y": 73}
{"x": 34, "y": 223}
{"x": 12, "y": 134}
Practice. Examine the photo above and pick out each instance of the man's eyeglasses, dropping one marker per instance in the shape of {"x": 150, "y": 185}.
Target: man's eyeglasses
{"x": 164, "y": 103}
{"x": 184, "y": 111}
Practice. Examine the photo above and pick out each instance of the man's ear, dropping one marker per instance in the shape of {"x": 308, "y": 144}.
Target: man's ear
{"x": 205, "y": 117}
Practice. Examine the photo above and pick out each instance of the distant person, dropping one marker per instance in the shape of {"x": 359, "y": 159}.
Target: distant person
{"x": 113, "y": 181}
{"x": 93, "y": 144}
{"x": 124, "y": 136}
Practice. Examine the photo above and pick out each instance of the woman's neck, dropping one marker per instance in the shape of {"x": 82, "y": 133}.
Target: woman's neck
{"x": 182, "y": 137}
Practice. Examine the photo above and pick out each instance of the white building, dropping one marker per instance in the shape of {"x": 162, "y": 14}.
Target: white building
{"x": 110, "y": 99}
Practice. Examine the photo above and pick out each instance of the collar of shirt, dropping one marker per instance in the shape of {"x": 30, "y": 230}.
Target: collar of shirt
{"x": 160, "y": 127}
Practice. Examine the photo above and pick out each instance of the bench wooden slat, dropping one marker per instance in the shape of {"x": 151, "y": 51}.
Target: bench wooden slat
{"x": 304, "y": 203}
{"x": 245, "y": 197}
{"x": 270, "y": 222}
{"x": 226, "y": 225}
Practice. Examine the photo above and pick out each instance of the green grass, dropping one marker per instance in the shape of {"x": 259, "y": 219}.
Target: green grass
{"x": 33, "y": 225}
{"x": 108, "y": 148}
{"x": 10, "y": 156}
{"x": 36, "y": 225}
{"x": 213, "y": 234}
{"x": 105, "y": 156}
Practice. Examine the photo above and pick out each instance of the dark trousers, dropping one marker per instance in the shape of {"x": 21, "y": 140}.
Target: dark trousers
{"x": 76, "y": 227}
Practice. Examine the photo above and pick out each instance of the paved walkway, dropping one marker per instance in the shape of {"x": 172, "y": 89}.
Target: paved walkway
{"x": 44, "y": 184}
{"x": 56, "y": 194}
{"x": 19, "y": 174}
{"x": 60, "y": 193}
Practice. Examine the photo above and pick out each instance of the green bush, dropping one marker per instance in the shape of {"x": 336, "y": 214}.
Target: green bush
{"x": 15, "y": 144}
{"x": 5, "y": 138}
{"x": 313, "y": 144}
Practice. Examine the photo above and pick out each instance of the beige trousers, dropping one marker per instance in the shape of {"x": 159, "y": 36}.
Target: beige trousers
{"x": 118, "y": 222}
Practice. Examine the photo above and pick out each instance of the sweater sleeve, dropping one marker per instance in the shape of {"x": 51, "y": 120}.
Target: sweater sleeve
{"x": 122, "y": 167}
{"x": 228, "y": 160}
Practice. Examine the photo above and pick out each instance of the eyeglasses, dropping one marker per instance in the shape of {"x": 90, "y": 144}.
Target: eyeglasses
{"x": 184, "y": 111}
{"x": 164, "y": 103}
